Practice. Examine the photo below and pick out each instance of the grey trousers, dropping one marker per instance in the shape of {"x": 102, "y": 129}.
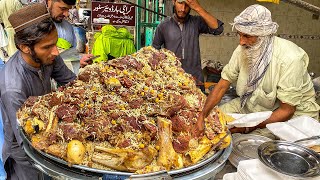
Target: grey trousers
{"x": 18, "y": 166}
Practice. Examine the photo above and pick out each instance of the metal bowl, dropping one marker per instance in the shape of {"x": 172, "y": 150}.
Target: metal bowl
{"x": 290, "y": 159}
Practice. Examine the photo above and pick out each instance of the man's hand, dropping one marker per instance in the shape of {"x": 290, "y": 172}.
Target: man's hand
{"x": 193, "y": 4}
{"x": 198, "y": 128}
{"x": 244, "y": 130}
{"x": 84, "y": 60}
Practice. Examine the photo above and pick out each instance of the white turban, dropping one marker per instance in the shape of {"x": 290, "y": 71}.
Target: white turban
{"x": 255, "y": 20}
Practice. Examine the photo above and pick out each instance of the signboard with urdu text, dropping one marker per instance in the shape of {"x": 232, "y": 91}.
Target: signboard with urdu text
{"x": 113, "y": 13}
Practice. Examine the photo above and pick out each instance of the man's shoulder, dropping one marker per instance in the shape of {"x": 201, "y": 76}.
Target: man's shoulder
{"x": 166, "y": 21}
{"x": 287, "y": 50}
{"x": 63, "y": 25}
{"x": 12, "y": 75}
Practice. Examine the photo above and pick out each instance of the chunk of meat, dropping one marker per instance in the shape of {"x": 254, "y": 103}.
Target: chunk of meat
{"x": 124, "y": 143}
{"x": 126, "y": 82}
{"x": 181, "y": 144}
{"x": 67, "y": 113}
{"x": 84, "y": 76}
{"x": 168, "y": 157}
{"x": 31, "y": 101}
{"x": 177, "y": 103}
{"x": 136, "y": 103}
{"x": 179, "y": 124}
{"x": 57, "y": 150}
{"x": 55, "y": 100}
{"x": 73, "y": 131}
{"x": 124, "y": 159}
{"x": 134, "y": 123}
{"x": 152, "y": 128}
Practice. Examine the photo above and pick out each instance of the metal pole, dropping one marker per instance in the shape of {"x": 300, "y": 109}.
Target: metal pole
{"x": 138, "y": 26}
{"x": 302, "y": 4}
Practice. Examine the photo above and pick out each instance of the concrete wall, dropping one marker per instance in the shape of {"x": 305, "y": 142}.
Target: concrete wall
{"x": 295, "y": 24}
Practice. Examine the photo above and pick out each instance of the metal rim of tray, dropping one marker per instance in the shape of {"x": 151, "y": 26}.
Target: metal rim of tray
{"x": 173, "y": 172}
{"x": 267, "y": 149}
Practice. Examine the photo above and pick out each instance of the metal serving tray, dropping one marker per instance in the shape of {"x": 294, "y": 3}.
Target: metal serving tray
{"x": 290, "y": 159}
{"x": 202, "y": 163}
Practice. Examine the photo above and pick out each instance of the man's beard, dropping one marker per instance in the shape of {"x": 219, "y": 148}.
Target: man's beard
{"x": 180, "y": 18}
{"x": 253, "y": 52}
{"x": 55, "y": 18}
{"x": 34, "y": 57}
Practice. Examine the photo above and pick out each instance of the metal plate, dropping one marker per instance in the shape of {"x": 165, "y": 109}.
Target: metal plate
{"x": 290, "y": 159}
{"x": 246, "y": 145}
{"x": 213, "y": 156}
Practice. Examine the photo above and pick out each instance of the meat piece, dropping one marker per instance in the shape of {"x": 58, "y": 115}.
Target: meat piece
{"x": 124, "y": 159}
{"x": 152, "y": 128}
{"x": 127, "y": 62}
{"x": 179, "y": 124}
{"x": 136, "y": 64}
{"x": 188, "y": 115}
{"x": 52, "y": 137}
{"x": 115, "y": 115}
{"x": 31, "y": 101}
{"x": 125, "y": 94}
{"x": 136, "y": 103}
{"x": 134, "y": 123}
{"x": 214, "y": 126}
{"x": 117, "y": 128}
{"x": 67, "y": 113}
{"x": 55, "y": 100}
{"x": 154, "y": 61}
{"x": 124, "y": 143}
{"x": 88, "y": 112}
{"x": 108, "y": 107}
{"x": 39, "y": 142}
{"x": 178, "y": 102}
{"x": 168, "y": 157}
{"x": 76, "y": 93}
{"x": 149, "y": 81}
{"x": 181, "y": 144}
{"x": 96, "y": 130}
{"x": 73, "y": 131}
{"x": 57, "y": 150}
{"x": 84, "y": 76}
{"x": 126, "y": 82}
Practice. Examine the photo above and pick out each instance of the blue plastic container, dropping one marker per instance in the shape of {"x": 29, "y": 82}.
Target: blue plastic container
{"x": 3, "y": 174}
{"x": 1, "y": 64}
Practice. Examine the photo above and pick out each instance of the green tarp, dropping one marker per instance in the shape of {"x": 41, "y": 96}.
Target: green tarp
{"x": 113, "y": 42}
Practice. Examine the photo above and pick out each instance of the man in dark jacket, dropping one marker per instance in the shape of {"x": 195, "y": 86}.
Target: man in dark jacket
{"x": 180, "y": 34}
{"x": 28, "y": 73}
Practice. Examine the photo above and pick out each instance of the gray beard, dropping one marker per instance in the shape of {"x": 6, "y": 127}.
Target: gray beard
{"x": 254, "y": 52}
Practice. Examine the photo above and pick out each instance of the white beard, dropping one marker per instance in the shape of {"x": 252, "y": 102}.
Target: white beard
{"x": 254, "y": 52}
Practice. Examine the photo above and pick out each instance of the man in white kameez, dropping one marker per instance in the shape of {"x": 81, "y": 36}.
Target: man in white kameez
{"x": 7, "y": 7}
{"x": 270, "y": 74}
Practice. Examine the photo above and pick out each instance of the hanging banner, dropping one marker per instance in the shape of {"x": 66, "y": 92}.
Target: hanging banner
{"x": 113, "y": 13}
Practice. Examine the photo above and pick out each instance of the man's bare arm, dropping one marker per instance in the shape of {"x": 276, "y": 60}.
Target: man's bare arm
{"x": 211, "y": 21}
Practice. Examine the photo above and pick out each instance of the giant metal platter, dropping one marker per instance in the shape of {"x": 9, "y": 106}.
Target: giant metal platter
{"x": 290, "y": 159}
{"x": 245, "y": 146}
{"x": 210, "y": 157}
